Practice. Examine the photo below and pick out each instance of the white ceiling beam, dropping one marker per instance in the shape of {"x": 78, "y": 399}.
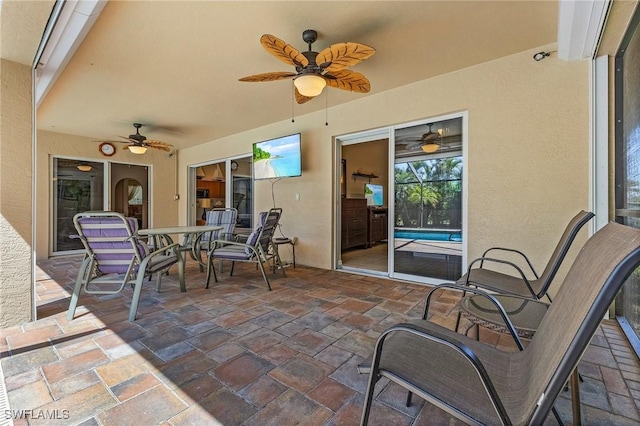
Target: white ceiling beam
{"x": 580, "y": 24}
{"x": 73, "y": 24}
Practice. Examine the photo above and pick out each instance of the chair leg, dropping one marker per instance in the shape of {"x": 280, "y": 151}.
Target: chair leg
{"x": 77, "y": 288}
{"x": 464, "y": 293}
{"x": 233, "y": 264}
{"x": 210, "y": 268}
{"x": 409, "y": 395}
{"x": 368, "y": 397}
{"x": 277, "y": 257}
{"x": 137, "y": 289}
{"x": 264, "y": 275}
{"x": 199, "y": 260}
{"x": 158, "y": 280}
{"x": 557, "y": 416}
{"x": 458, "y": 321}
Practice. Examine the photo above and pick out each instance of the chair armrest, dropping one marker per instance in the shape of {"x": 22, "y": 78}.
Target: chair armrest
{"x": 222, "y": 243}
{"x": 164, "y": 249}
{"x": 526, "y": 259}
{"x": 504, "y": 262}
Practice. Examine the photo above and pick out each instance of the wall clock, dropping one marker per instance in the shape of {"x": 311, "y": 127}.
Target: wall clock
{"x": 107, "y": 149}
{"x": 234, "y": 165}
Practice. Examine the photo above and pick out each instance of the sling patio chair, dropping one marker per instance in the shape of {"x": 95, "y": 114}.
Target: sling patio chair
{"x": 224, "y": 217}
{"x": 481, "y": 384}
{"x": 257, "y": 249}
{"x": 519, "y": 284}
{"x": 114, "y": 257}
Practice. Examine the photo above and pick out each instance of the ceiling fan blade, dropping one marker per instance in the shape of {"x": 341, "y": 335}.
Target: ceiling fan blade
{"x": 158, "y": 145}
{"x": 269, "y": 76}
{"x": 129, "y": 140}
{"x": 431, "y": 136}
{"x": 348, "y": 80}
{"x": 283, "y": 51}
{"x": 112, "y": 141}
{"x": 343, "y": 55}
{"x": 300, "y": 98}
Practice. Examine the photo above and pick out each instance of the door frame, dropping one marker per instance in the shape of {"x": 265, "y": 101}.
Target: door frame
{"x": 389, "y": 133}
{"x": 106, "y": 196}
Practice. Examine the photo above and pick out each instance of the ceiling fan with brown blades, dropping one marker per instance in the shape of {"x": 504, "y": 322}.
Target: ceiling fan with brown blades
{"x": 316, "y": 70}
{"x": 138, "y": 143}
{"x": 429, "y": 142}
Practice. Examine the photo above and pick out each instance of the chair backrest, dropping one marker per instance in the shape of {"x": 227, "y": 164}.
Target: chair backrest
{"x": 238, "y": 197}
{"x": 224, "y": 217}
{"x": 262, "y": 234}
{"x": 109, "y": 238}
{"x": 561, "y": 250}
{"x": 594, "y": 279}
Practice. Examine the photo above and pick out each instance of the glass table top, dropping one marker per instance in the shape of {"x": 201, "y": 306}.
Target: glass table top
{"x": 525, "y": 314}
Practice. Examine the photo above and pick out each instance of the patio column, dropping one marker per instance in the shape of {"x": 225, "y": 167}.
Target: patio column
{"x": 16, "y": 198}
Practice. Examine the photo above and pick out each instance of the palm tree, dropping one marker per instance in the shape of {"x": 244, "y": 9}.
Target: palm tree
{"x": 432, "y": 187}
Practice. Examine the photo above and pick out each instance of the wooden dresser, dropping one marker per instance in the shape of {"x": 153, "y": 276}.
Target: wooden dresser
{"x": 354, "y": 222}
{"x": 377, "y": 229}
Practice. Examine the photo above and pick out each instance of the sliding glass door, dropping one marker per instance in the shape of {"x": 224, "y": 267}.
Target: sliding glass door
{"x": 627, "y": 169}
{"x": 428, "y": 171}
{"x": 223, "y": 183}
{"x": 78, "y": 186}
{"x": 400, "y": 201}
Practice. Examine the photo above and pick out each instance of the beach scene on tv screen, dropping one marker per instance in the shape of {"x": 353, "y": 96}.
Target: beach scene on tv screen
{"x": 374, "y": 194}
{"x": 277, "y": 158}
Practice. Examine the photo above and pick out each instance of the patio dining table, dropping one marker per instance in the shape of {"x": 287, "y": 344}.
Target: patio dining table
{"x": 163, "y": 237}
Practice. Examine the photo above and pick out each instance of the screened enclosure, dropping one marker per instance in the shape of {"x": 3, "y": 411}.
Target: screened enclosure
{"x": 428, "y": 188}
{"x": 429, "y": 194}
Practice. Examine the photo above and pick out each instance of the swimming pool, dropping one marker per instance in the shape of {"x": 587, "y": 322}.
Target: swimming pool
{"x": 429, "y": 234}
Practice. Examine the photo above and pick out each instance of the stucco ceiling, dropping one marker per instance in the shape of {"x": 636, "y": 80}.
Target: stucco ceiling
{"x": 175, "y": 65}
{"x": 21, "y": 26}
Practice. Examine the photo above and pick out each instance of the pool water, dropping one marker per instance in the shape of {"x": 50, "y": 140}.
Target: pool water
{"x": 429, "y": 234}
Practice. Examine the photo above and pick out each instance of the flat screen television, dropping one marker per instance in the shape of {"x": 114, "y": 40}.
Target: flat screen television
{"x": 374, "y": 194}
{"x": 277, "y": 158}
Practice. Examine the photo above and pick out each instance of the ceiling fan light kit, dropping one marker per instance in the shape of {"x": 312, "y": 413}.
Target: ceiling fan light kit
{"x": 316, "y": 70}
{"x": 310, "y": 84}
{"x": 137, "y": 149}
{"x": 430, "y": 147}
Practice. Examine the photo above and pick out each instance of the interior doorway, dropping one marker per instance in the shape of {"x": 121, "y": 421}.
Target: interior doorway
{"x": 364, "y": 206}
{"x": 224, "y": 183}
{"x": 130, "y": 192}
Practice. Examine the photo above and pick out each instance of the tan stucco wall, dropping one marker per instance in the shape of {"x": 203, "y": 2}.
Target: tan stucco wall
{"x": 16, "y": 272}
{"x": 369, "y": 157}
{"x": 527, "y": 159}
{"x": 162, "y": 184}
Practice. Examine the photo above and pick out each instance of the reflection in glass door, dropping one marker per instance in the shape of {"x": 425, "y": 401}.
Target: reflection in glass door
{"x": 242, "y": 192}
{"x": 428, "y": 200}
{"x": 78, "y": 186}
{"x": 627, "y": 168}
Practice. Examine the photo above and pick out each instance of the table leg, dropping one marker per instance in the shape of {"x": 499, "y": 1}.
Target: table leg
{"x": 575, "y": 398}
{"x": 181, "y": 264}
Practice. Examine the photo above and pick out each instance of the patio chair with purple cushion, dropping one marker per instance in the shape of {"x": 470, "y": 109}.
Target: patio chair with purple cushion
{"x": 257, "y": 249}
{"x": 224, "y": 217}
{"x": 114, "y": 257}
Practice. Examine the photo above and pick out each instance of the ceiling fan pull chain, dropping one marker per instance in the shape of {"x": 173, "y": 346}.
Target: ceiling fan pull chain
{"x": 293, "y": 96}
{"x": 326, "y": 108}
